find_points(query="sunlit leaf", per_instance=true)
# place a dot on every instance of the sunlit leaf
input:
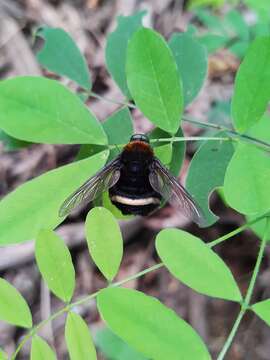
(42, 110)
(35, 204)
(106, 202)
(116, 48)
(252, 85)
(55, 264)
(3, 355)
(262, 309)
(13, 307)
(41, 350)
(197, 3)
(61, 55)
(153, 79)
(259, 227)
(164, 153)
(206, 172)
(104, 241)
(177, 151)
(148, 326)
(191, 261)
(78, 338)
(246, 179)
(191, 59)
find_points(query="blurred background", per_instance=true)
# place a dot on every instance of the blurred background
(89, 22)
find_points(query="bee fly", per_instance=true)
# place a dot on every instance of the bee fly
(137, 183)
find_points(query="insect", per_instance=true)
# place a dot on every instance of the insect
(138, 184)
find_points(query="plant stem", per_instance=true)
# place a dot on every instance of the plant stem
(257, 142)
(249, 293)
(190, 138)
(35, 329)
(231, 335)
(238, 230)
(258, 264)
(100, 97)
(67, 308)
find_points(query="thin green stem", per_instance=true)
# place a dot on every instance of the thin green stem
(179, 139)
(35, 329)
(249, 293)
(137, 275)
(257, 142)
(238, 230)
(67, 308)
(191, 138)
(231, 335)
(99, 97)
(258, 264)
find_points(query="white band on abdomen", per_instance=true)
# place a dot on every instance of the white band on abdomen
(136, 202)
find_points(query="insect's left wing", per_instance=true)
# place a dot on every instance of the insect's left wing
(93, 188)
(171, 190)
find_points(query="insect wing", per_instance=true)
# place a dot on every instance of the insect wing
(171, 190)
(93, 188)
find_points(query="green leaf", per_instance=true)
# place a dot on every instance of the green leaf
(104, 241)
(246, 179)
(236, 24)
(192, 4)
(55, 264)
(61, 55)
(116, 48)
(106, 202)
(262, 309)
(191, 59)
(177, 152)
(153, 79)
(78, 338)
(10, 143)
(42, 110)
(259, 227)
(212, 42)
(118, 128)
(191, 261)
(239, 48)
(209, 165)
(115, 348)
(209, 20)
(164, 153)
(13, 307)
(261, 28)
(262, 7)
(35, 205)
(252, 86)
(40, 350)
(4, 356)
(148, 326)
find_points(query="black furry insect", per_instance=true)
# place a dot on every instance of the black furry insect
(137, 183)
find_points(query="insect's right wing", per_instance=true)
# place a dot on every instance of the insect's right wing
(170, 189)
(93, 188)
